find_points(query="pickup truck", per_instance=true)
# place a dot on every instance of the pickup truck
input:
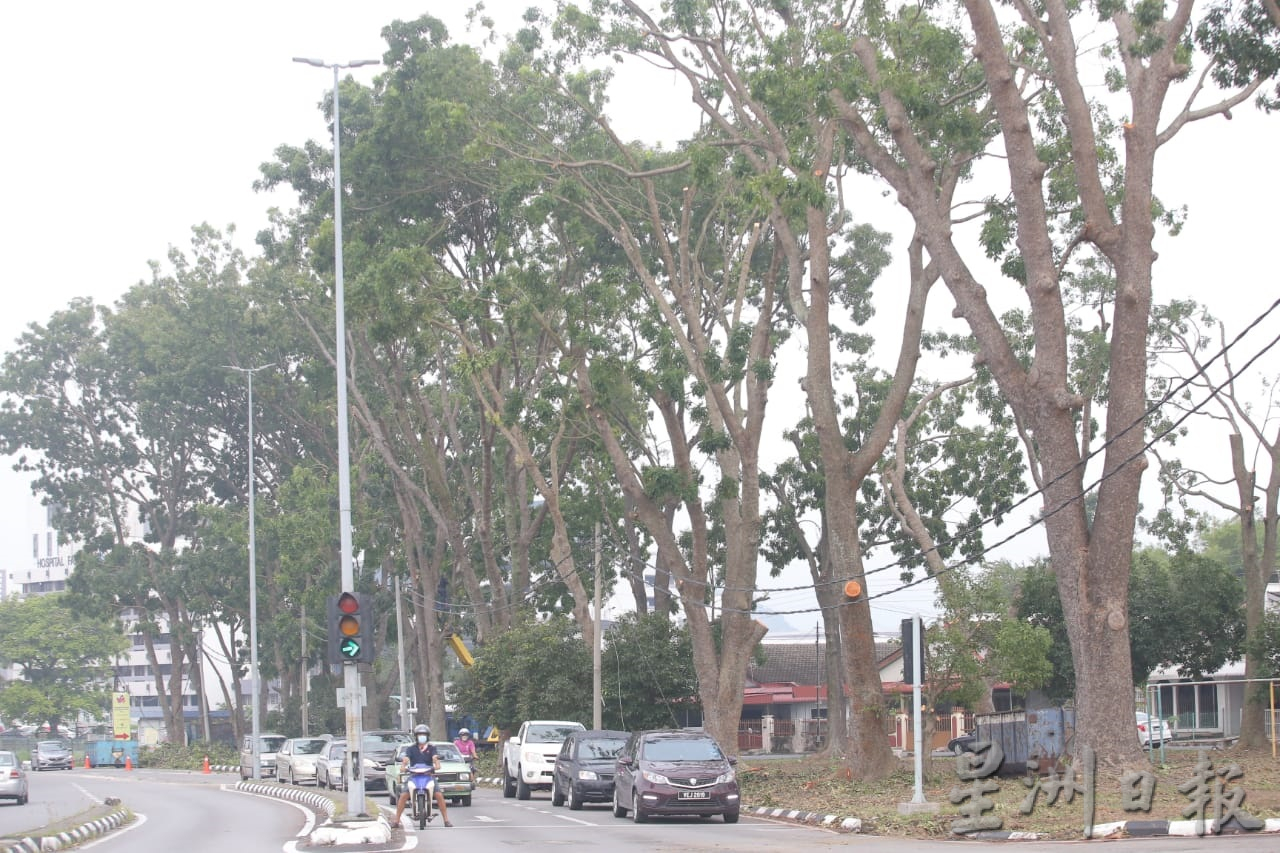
(529, 756)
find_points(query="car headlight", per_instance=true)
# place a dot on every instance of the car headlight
(368, 763)
(464, 777)
(589, 775)
(532, 757)
(725, 778)
(655, 778)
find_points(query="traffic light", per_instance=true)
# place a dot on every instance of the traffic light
(350, 628)
(908, 652)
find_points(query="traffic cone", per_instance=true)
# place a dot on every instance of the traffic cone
(128, 762)
(87, 765)
(206, 765)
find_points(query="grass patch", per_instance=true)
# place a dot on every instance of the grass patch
(822, 786)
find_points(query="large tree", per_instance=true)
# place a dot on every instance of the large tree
(64, 660)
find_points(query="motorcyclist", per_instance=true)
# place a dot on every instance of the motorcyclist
(467, 748)
(421, 752)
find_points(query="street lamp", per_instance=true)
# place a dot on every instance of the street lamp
(350, 675)
(253, 585)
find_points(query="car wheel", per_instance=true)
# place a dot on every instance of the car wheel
(731, 817)
(508, 783)
(618, 810)
(466, 801)
(22, 801)
(557, 798)
(575, 801)
(637, 814)
(522, 790)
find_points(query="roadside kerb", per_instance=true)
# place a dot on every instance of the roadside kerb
(72, 837)
(331, 832)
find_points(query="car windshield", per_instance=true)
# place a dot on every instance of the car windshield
(309, 747)
(549, 734)
(380, 740)
(50, 744)
(447, 752)
(589, 750)
(271, 744)
(679, 749)
(8, 759)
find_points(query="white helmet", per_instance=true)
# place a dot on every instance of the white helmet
(464, 732)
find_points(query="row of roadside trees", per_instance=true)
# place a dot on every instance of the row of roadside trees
(551, 327)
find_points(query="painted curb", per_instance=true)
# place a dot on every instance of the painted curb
(72, 837)
(319, 802)
(1131, 828)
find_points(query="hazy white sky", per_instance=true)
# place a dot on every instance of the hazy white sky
(131, 122)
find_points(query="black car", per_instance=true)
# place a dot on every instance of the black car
(583, 771)
(675, 772)
(963, 743)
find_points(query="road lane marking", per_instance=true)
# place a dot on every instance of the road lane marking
(138, 820)
(309, 820)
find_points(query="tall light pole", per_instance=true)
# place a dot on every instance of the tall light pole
(254, 695)
(350, 675)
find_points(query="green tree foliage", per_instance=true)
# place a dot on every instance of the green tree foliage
(1186, 611)
(542, 670)
(537, 670)
(64, 660)
(648, 678)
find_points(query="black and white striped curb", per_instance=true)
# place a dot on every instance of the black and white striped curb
(63, 840)
(319, 802)
(829, 821)
(1140, 829)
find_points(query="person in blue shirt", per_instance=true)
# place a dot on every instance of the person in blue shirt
(421, 752)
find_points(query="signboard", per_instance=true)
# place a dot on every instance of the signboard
(120, 715)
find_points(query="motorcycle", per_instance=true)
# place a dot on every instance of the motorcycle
(422, 784)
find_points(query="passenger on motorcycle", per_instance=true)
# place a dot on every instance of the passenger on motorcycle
(420, 753)
(466, 746)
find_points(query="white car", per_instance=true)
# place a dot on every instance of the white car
(297, 758)
(1153, 731)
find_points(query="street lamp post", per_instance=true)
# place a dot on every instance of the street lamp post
(254, 695)
(350, 675)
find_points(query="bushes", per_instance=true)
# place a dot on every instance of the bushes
(168, 756)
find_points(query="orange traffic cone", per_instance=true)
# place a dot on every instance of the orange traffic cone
(206, 765)
(128, 762)
(87, 765)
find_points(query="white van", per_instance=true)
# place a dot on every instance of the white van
(268, 745)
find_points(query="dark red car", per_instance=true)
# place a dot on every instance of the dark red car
(675, 772)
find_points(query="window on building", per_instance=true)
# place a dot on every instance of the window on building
(48, 551)
(35, 545)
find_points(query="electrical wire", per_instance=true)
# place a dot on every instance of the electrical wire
(900, 563)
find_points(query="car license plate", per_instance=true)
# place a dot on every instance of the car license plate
(694, 795)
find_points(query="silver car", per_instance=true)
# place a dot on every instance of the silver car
(50, 755)
(13, 779)
(329, 765)
(296, 760)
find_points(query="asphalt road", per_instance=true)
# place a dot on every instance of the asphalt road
(197, 813)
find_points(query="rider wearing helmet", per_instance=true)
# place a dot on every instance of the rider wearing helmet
(465, 744)
(467, 747)
(421, 752)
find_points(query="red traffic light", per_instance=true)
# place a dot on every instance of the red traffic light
(348, 603)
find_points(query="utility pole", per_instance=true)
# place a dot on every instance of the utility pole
(597, 700)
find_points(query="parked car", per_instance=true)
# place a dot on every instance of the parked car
(962, 743)
(329, 766)
(378, 749)
(296, 760)
(50, 755)
(675, 772)
(583, 771)
(453, 780)
(268, 746)
(1152, 730)
(13, 779)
